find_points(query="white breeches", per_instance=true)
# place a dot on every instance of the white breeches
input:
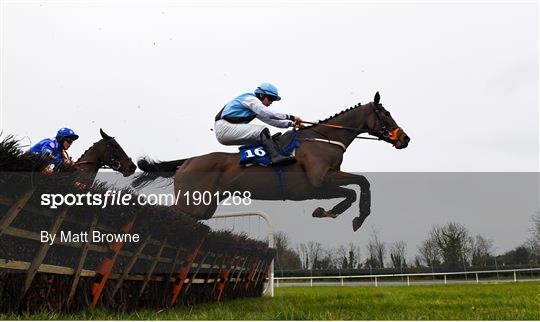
(237, 134)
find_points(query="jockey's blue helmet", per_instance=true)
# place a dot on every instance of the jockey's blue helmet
(65, 133)
(269, 90)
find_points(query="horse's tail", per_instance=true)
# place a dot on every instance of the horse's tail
(155, 169)
(165, 168)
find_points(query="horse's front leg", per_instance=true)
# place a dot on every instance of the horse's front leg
(331, 193)
(339, 178)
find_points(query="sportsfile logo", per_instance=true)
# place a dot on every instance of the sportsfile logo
(109, 198)
(121, 198)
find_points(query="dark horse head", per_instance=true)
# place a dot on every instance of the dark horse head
(106, 153)
(346, 125)
(381, 124)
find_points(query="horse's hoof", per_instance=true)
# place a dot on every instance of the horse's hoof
(321, 213)
(318, 213)
(357, 223)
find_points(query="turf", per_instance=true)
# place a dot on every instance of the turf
(504, 301)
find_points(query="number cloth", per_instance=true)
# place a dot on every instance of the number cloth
(255, 153)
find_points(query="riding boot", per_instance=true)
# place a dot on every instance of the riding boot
(272, 149)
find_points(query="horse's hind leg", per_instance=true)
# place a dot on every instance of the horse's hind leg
(335, 192)
(343, 178)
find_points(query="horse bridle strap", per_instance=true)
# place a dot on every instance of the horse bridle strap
(101, 165)
(85, 162)
(383, 133)
(341, 145)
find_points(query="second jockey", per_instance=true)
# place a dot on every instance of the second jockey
(232, 122)
(56, 147)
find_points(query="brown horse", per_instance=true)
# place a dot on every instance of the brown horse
(105, 153)
(315, 175)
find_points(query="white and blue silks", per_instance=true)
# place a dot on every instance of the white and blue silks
(232, 128)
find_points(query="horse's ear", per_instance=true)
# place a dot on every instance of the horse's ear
(104, 135)
(377, 99)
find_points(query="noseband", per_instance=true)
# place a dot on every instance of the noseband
(112, 162)
(383, 133)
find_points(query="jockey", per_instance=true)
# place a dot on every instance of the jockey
(232, 128)
(56, 148)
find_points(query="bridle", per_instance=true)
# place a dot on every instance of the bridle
(384, 132)
(112, 159)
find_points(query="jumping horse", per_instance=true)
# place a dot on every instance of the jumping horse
(315, 175)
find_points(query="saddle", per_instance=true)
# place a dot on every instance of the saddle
(255, 154)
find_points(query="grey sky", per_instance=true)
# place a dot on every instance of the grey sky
(460, 78)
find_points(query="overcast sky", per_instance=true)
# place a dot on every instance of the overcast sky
(460, 78)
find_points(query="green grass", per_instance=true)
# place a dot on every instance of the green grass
(504, 301)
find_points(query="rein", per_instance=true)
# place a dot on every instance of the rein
(392, 136)
(84, 162)
(101, 165)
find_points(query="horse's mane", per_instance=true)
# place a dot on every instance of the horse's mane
(84, 153)
(333, 116)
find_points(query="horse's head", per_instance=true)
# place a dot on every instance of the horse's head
(113, 156)
(382, 125)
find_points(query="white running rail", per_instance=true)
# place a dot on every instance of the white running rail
(376, 278)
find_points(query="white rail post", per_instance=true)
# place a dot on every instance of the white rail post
(376, 281)
(445, 279)
(342, 281)
(310, 282)
(515, 277)
(477, 281)
(270, 289)
(408, 281)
